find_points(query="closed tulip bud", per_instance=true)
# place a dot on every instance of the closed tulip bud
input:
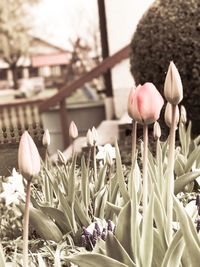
(168, 115)
(28, 157)
(156, 130)
(183, 117)
(89, 137)
(95, 135)
(73, 131)
(145, 104)
(173, 88)
(46, 138)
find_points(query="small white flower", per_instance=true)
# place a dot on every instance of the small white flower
(13, 189)
(104, 151)
(95, 135)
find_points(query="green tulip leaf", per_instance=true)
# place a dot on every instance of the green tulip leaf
(146, 246)
(101, 178)
(71, 182)
(100, 202)
(44, 226)
(94, 260)
(81, 214)
(120, 176)
(59, 218)
(115, 250)
(158, 249)
(194, 155)
(123, 229)
(191, 238)
(174, 252)
(85, 184)
(183, 180)
(116, 209)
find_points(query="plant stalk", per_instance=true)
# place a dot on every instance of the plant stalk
(134, 137)
(170, 176)
(26, 225)
(159, 165)
(95, 163)
(88, 159)
(145, 167)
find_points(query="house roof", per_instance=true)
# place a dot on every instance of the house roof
(41, 46)
(42, 53)
(50, 59)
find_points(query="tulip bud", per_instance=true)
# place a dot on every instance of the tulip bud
(173, 89)
(73, 131)
(183, 117)
(145, 104)
(95, 135)
(156, 130)
(89, 136)
(46, 138)
(61, 157)
(28, 157)
(168, 115)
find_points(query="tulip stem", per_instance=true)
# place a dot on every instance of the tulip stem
(145, 167)
(95, 163)
(170, 176)
(134, 136)
(26, 225)
(159, 165)
(88, 159)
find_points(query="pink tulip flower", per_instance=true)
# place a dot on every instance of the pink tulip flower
(145, 104)
(130, 100)
(28, 157)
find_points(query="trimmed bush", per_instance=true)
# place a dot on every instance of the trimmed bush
(170, 30)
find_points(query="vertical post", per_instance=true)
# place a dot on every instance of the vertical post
(104, 45)
(64, 124)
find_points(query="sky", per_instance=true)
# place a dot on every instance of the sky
(59, 20)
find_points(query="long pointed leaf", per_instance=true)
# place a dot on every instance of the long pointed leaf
(146, 247)
(115, 250)
(44, 226)
(94, 260)
(123, 229)
(190, 237)
(71, 182)
(183, 180)
(171, 255)
(85, 183)
(120, 176)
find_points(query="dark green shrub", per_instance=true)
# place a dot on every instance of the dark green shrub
(170, 30)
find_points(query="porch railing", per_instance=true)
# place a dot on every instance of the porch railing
(59, 98)
(18, 116)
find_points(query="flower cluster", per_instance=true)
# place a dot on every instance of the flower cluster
(94, 231)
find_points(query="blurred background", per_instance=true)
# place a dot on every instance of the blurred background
(64, 60)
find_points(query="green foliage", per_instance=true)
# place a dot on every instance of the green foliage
(168, 31)
(80, 197)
